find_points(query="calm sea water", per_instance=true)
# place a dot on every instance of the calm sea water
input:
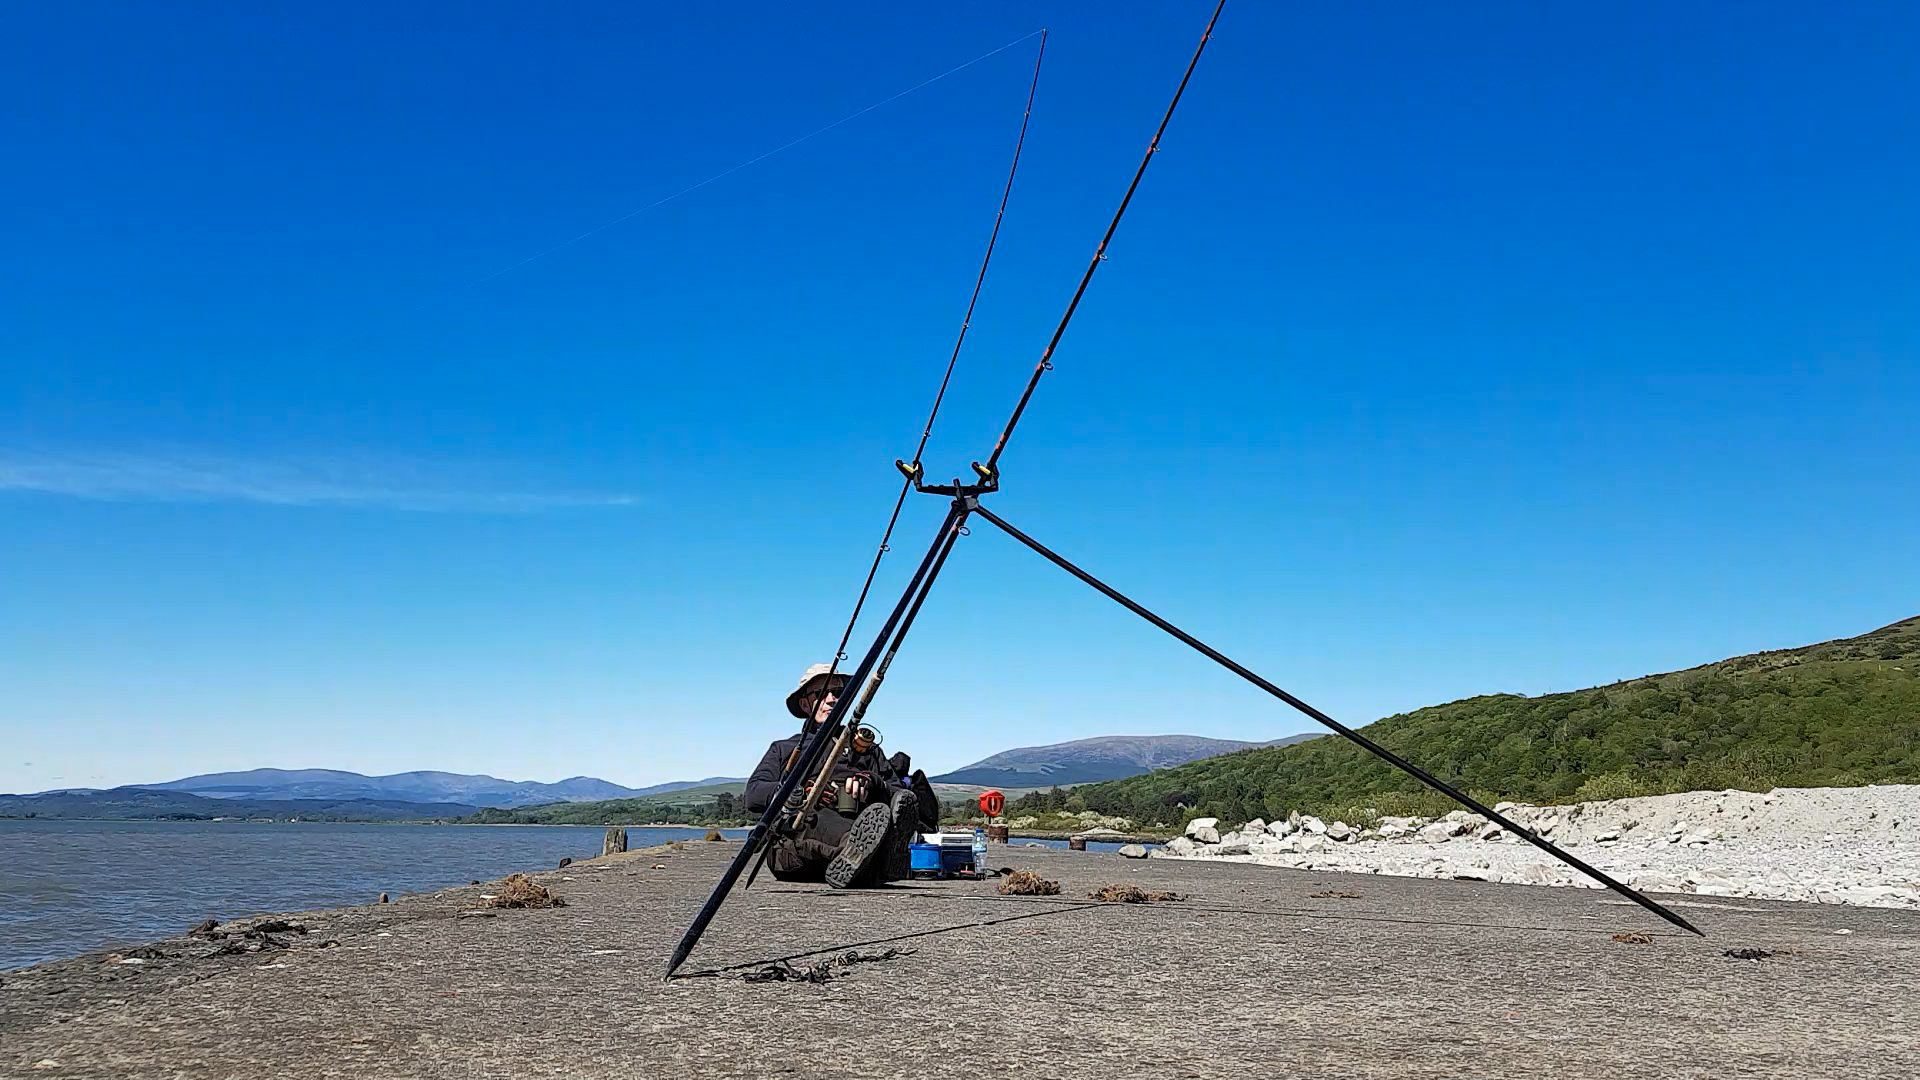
(73, 886)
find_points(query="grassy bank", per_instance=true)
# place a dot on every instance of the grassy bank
(1840, 713)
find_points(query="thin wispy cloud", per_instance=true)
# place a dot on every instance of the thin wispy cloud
(394, 484)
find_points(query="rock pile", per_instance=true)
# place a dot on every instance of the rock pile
(1827, 845)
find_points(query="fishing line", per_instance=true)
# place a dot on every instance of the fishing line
(782, 148)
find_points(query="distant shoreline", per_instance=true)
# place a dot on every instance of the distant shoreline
(418, 821)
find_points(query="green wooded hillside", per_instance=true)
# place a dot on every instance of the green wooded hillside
(1838, 713)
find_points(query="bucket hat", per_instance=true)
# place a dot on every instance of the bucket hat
(817, 677)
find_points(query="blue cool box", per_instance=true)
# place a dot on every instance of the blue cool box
(934, 859)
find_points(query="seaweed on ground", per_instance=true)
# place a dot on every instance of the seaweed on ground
(1028, 883)
(1131, 894)
(519, 891)
(278, 926)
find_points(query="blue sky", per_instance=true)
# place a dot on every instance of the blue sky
(1513, 348)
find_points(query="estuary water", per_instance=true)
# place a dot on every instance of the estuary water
(69, 887)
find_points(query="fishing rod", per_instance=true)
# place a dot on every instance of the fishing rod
(989, 473)
(926, 431)
(815, 742)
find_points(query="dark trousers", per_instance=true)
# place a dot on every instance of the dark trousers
(805, 857)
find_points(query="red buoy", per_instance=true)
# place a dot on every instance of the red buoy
(992, 802)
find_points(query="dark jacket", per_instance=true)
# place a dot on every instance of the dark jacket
(766, 776)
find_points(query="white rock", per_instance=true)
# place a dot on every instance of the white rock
(1710, 883)
(1257, 825)
(1538, 874)
(1205, 834)
(1283, 827)
(1878, 895)
(1313, 825)
(1233, 844)
(1133, 851)
(1490, 832)
(1181, 845)
(1656, 882)
(1202, 823)
(1271, 845)
(1764, 846)
(1503, 807)
(1340, 830)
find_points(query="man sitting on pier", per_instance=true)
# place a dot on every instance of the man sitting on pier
(858, 831)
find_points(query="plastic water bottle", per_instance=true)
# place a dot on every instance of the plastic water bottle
(979, 851)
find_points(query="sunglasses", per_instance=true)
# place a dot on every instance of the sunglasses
(811, 701)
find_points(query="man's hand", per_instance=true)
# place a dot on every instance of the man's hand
(858, 786)
(855, 787)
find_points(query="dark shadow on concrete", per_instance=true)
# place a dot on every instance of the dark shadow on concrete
(716, 972)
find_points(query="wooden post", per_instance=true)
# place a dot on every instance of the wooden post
(1076, 843)
(615, 843)
(997, 833)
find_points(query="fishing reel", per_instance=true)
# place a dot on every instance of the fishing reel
(865, 737)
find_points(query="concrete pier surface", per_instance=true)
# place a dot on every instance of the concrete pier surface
(1260, 972)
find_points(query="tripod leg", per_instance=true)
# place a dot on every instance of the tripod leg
(816, 742)
(1344, 731)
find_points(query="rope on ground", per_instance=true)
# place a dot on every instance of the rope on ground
(824, 971)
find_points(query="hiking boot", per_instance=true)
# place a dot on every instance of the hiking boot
(906, 815)
(864, 840)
